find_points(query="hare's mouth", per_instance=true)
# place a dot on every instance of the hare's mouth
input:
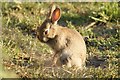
(45, 39)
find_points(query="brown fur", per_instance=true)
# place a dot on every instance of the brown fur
(68, 44)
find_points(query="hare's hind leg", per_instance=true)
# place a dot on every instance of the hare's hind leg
(77, 62)
(65, 59)
(69, 63)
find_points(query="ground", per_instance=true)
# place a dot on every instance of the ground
(23, 55)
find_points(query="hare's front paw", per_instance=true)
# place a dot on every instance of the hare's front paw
(54, 60)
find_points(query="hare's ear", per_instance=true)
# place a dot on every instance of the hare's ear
(55, 15)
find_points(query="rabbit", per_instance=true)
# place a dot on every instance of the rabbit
(68, 45)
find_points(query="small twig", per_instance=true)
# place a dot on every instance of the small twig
(67, 71)
(90, 25)
(97, 19)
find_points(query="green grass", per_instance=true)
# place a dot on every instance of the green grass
(24, 55)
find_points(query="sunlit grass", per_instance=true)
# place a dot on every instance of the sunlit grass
(24, 55)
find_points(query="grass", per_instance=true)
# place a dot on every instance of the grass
(24, 55)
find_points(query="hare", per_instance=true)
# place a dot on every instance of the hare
(68, 44)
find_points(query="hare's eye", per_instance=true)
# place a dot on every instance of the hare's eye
(46, 32)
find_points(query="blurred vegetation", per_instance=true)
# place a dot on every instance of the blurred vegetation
(24, 55)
